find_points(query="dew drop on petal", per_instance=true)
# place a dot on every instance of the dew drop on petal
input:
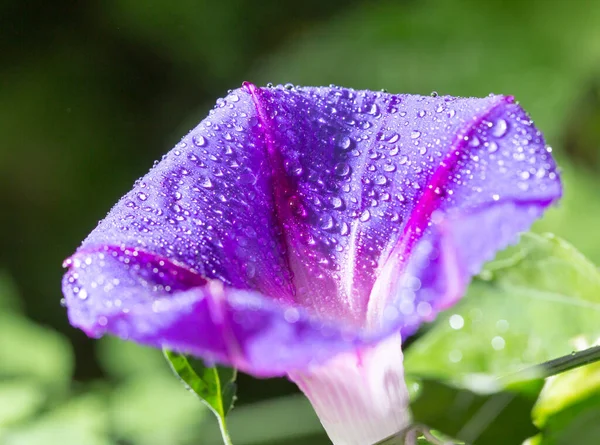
(199, 140)
(500, 128)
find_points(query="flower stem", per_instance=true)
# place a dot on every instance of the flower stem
(224, 433)
(556, 366)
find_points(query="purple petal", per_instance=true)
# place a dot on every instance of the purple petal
(208, 206)
(365, 210)
(142, 297)
(361, 173)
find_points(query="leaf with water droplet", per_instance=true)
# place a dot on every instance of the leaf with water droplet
(535, 303)
(214, 385)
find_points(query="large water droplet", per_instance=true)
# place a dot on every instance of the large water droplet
(199, 140)
(345, 143)
(341, 169)
(500, 128)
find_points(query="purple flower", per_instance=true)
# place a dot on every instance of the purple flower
(305, 231)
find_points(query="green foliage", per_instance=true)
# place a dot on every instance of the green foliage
(94, 92)
(568, 409)
(214, 385)
(513, 316)
(492, 419)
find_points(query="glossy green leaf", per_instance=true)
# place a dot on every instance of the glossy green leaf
(568, 409)
(215, 385)
(534, 305)
(500, 418)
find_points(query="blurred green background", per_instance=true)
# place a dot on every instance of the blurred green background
(92, 92)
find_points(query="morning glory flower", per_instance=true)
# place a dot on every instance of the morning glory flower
(308, 231)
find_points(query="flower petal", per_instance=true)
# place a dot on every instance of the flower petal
(140, 296)
(208, 205)
(361, 176)
(360, 397)
(368, 210)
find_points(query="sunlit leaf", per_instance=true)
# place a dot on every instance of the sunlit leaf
(525, 309)
(568, 409)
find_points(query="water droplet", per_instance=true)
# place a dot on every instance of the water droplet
(345, 229)
(380, 180)
(365, 216)
(337, 203)
(495, 197)
(474, 141)
(142, 196)
(296, 207)
(345, 143)
(394, 138)
(341, 169)
(415, 134)
(492, 147)
(326, 222)
(500, 128)
(246, 179)
(206, 183)
(199, 140)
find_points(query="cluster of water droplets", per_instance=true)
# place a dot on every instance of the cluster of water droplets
(359, 164)
(206, 207)
(304, 193)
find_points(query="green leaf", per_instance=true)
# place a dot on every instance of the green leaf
(537, 304)
(215, 385)
(494, 419)
(568, 408)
